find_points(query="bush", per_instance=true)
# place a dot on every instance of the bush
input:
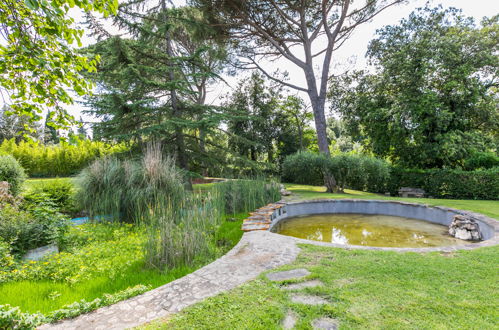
(445, 183)
(60, 193)
(25, 230)
(63, 159)
(350, 171)
(304, 168)
(481, 160)
(12, 172)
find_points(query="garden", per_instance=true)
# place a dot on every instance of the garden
(218, 165)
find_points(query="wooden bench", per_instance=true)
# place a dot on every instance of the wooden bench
(411, 192)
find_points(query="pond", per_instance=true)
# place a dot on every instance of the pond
(368, 230)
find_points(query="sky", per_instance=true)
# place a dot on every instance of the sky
(350, 55)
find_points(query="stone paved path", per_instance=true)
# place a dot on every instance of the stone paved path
(256, 252)
(291, 318)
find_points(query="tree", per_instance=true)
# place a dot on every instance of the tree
(50, 134)
(298, 114)
(153, 84)
(252, 132)
(271, 29)
(37, 63)
(432, 101)
(18, 127)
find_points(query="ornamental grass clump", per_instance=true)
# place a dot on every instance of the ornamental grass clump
(244, 195)
(128, 190)
(149, 191)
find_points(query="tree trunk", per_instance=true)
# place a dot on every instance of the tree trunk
(176, 110)
(318, 105)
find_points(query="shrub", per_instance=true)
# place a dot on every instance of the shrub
(445, 183)
(12, 172)
(377, 174)
(60, 193)
(350, 171)
(25, 230)
(6, 259)
(481, 160)
(63, 159)
(304, 168)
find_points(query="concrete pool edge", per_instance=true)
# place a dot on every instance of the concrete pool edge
(269, 216)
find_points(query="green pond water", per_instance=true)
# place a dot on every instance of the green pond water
(368, 230)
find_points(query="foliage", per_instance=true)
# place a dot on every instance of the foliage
(246, 195)
(125, 190)
(25, 230)
(14, 126)
(38, 65)
(89, 251)
(482, 160)
(350, 171)
(12, 172)
(432, 100)
(60, 193)
(152, 84)
(63, 159)
(14, 318)
(266, 125)
(6, 258)
(448, 183)
(304, 168)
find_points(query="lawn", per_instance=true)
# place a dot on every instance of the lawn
(366, 289)
(303, 192)
(107, 259)
(96, 259)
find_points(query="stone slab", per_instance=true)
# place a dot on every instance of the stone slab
(302, 285)
(289, 321)
(308, 299)
(288, 274)
(325, 323)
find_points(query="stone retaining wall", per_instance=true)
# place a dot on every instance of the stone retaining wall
(267, 217)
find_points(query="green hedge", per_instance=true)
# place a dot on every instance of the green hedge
(350, 171)
(444, 183)
(375, 175)
(12, 172)
(62, 159)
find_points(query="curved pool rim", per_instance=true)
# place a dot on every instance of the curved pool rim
(489, 227)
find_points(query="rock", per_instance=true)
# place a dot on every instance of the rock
(39, 253)
(285, 192)
(289, 321)
(288, 274)
(308, 299)
(325, 323)
(466, 228)
(302, 285)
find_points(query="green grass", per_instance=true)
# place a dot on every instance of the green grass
(366, 290)
(31, 183)
(45, 295)
(303, 192)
